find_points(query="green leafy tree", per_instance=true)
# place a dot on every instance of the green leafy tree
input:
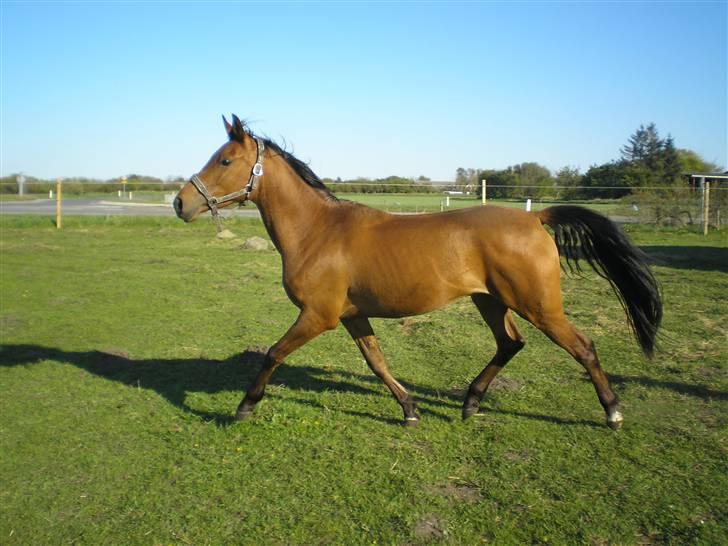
(606, 181)
(464, 177)
(535, 180)
(692, 162)
(568, 179)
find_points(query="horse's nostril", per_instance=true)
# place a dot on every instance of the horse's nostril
(177, 204)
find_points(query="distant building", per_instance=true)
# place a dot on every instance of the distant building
(696, 180)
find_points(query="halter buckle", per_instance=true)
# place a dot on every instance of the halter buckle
(258, 169)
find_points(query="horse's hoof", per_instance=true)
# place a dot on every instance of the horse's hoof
(411, 421)
(242, 416)
(615, 420)
(469, 411)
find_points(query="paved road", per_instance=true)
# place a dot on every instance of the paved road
(89, 207)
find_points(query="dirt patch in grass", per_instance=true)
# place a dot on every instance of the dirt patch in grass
(410, 324)
(11, 323)
(430, 527)
(456, 492)
(505, 384)
(517, 455)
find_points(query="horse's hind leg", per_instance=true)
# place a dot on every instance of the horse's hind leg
(508, 341)
(579, 346)
(363, 335)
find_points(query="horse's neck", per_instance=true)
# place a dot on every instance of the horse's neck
(289, 208)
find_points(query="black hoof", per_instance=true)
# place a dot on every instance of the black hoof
(245, 410)
(470, 407)
(243, 416)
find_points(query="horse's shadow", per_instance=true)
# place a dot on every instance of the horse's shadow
(174, 379)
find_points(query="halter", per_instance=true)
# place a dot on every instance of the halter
(213, 201)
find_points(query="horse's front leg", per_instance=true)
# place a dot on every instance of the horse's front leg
(308, 325)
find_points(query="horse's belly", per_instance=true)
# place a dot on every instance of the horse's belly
(394, 300)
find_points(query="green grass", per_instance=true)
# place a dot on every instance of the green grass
(127, 343)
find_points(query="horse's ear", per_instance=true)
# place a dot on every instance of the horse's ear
(238, 131)
(228, 127)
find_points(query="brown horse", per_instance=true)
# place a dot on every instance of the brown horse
(345, 262)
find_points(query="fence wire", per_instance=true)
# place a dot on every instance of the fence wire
(674, 205)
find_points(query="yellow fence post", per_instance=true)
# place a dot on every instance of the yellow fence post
(483, 189)
(58, 203)
(706, 206)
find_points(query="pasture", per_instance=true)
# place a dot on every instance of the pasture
(126, 344)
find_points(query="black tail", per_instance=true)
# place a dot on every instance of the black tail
(583, 234)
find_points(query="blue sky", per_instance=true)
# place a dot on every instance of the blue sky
(356, 89)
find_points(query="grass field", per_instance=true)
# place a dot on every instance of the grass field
(126, 344)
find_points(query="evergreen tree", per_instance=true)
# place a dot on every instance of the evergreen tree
(671, 165)
(653, 159)
(635, 150)
(648, 160)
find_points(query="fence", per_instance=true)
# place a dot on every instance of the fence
(674, 205)
(74, 187)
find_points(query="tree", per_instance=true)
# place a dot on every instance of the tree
(606, 181)
(463, 176)
(691, 161)
(568, 178)
(648, 160)
(643, 146)
(499, 183)
(533, 178)
(672, 169)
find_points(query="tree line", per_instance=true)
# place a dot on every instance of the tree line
(81, 185)
(646, 162)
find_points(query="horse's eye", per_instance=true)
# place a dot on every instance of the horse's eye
(225, 162)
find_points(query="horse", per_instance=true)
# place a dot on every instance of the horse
(344, 262)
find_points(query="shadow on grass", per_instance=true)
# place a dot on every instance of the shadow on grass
(699, 391)
(700, 258)
(173, 379)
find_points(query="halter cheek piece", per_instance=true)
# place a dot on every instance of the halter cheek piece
(213, 201)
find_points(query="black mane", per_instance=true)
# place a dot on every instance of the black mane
(300, 168)
(239, 130)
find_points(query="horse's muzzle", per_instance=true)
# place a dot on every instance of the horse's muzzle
(179, 209)
(177, 204)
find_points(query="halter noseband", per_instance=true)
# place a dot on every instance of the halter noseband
(213, 201)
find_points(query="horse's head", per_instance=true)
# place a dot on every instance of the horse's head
(228, 177)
